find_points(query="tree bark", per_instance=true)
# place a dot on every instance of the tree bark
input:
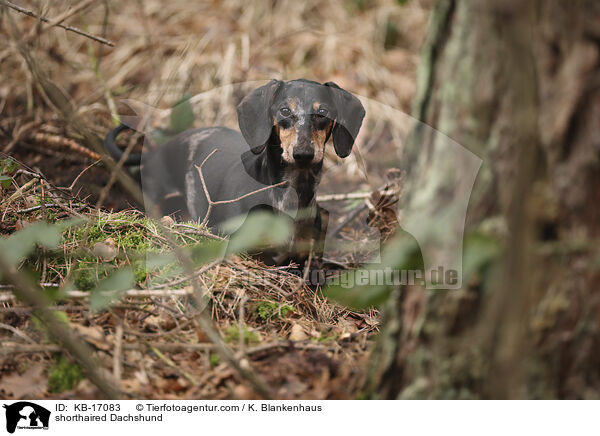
(517, 83)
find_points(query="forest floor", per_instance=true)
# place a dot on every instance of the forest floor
(298, 342)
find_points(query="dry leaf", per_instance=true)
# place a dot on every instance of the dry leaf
(162, 321)
(31, 384)
(167, 221)
(105, 250)
(93, 334)
(297, 333)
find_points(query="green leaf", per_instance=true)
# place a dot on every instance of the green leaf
(8, 166)
(157, 260)
(208, 251)
(111, 289)
(5, 181)
(259, 229)
(182, 115)
(20, 244)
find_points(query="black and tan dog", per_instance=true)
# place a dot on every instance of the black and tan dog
(284, 130)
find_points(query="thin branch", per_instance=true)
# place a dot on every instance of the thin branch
(70, 12)
(202, 270)
(59, 142)
(16, 332)
(46, 20)
(70, 188)
(169, 347)
(118, 353)
(47, 206)
(133, 293)
(350, 196)
(212, 203)
(189, 377)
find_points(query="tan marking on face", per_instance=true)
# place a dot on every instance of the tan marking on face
(316, 105)
(288, 138)
(318, 140)
(292, 105)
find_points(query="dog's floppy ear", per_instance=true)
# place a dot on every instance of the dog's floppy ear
(350, 113)
(253, 115)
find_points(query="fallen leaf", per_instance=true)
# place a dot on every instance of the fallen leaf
(105, 250)
(162, 321)
(167, 221)
(31, 384)
(297, 333)
(93, 334)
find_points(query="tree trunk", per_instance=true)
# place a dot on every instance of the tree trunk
(517, 83)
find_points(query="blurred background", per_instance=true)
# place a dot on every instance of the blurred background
(165, 51)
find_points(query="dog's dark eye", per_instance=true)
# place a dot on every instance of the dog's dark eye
(286, 112)
(322, 112)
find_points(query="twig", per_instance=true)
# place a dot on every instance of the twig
(170, 347)
(16, 332)
(133, 293)
(194, 231)
(288, 344)
(241, 323)
(47, 206)
(6, 350)
(20, 132)
(29, 173)
(22, 190)
(59, 142)
(118, 353)
(46, 20)
(70, 12)
(170, 363)
(212, 203)
(42, 284)
(308, 261)
(202, 270)
(70, 188)
(350, 196)
(29, 349)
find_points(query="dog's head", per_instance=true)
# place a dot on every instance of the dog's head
(300, 116)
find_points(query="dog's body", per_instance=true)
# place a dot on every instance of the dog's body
(284, 128)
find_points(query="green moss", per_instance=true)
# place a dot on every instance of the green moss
(328, 338)
(88, 272)
(85, 279)
(214, 360)
(140, 274)
(129, 231)
(37, 199)
(268, 309)
(63, 376)
(232, 335)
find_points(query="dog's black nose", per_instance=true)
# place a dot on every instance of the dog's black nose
(303, 156)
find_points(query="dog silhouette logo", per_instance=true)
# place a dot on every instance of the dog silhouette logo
(26, 415)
